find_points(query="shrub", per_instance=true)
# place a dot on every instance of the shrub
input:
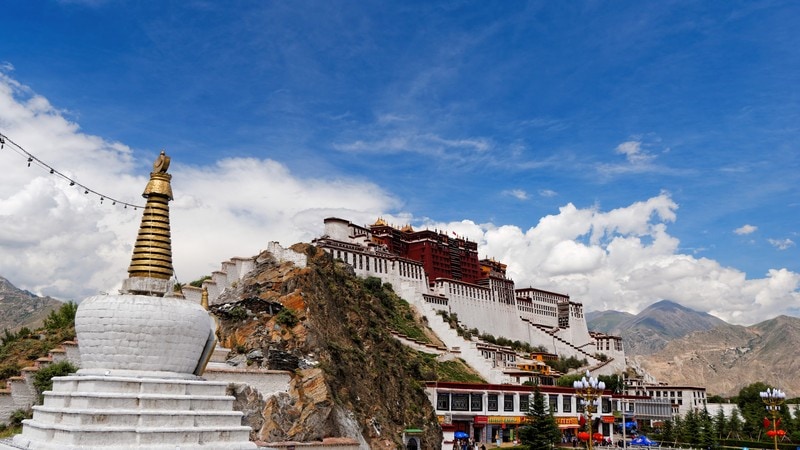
(62, 318)
(199, 282)
(287, 318)
(18, 416)
(237, 313)
(43, 379)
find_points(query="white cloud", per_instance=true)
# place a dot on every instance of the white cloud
(781, 244)
(547, 193)
(428, 144)
(57, 241)
(625, 259)
(519, 194)
(633, 152)
(745, 229)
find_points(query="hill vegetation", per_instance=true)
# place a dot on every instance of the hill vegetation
(341, 350)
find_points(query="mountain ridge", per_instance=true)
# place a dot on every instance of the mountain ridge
(20, 308)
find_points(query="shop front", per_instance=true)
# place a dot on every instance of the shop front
(500, 429)
(569, 428)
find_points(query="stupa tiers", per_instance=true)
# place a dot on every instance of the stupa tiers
(150, 271)
(142, 354)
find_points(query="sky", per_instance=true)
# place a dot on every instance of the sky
(619, 152)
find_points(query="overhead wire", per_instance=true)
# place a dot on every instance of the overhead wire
(5, 141)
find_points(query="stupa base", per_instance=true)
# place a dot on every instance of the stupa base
(91, 412)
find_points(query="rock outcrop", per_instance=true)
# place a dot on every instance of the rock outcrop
(351, 379)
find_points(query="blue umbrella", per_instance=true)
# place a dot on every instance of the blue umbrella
(460, 435)
(642, 440)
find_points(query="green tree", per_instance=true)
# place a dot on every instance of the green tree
(691, 428)
(720, 424)
(668, 433)
(61, 318)
(752, 408)
(706, 435)
(541, 432)
(734, 425)
(678, 429)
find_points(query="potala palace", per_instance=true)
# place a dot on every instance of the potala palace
(436, 272)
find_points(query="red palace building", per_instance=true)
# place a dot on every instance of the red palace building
(442, 256)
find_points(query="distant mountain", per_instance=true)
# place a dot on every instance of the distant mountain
(654, 327)
(19, 308)
(606, 321)
(730, 357)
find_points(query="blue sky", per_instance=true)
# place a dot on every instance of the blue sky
(495, 113)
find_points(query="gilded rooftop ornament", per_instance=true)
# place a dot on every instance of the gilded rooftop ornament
(152, 253)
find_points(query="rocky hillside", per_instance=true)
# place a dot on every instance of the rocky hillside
(20, 308)
(654, 327)
(352, 378)
(730, 357)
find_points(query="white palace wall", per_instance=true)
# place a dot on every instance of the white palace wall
(476, 308)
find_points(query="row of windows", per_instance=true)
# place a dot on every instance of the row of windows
(435, 300)
(379, 265)
(446, 401)
(453, 401)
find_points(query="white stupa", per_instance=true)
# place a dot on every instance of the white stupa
(142, 354)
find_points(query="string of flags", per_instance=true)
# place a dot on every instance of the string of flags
(32, 159)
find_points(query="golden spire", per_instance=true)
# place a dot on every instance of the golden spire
(152, 254)
(204, 298)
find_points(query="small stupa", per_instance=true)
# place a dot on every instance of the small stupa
(143, 352)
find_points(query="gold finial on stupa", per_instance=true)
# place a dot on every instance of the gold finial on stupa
(204, 298)
(152, 254)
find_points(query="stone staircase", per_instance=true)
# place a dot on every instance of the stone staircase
(561, 346)
(458, 347)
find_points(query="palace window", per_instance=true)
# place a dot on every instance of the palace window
(553, 401)
(524, 403)
(476, 401)
(508, 402)
(566, 404)
(443, 401)
(492, 402)
(460, 402)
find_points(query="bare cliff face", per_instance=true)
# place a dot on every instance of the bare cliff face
(351, 378)
(730, 357)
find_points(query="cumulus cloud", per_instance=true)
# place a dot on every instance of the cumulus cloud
(781, 244)
(745, 229)
(625, 260)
